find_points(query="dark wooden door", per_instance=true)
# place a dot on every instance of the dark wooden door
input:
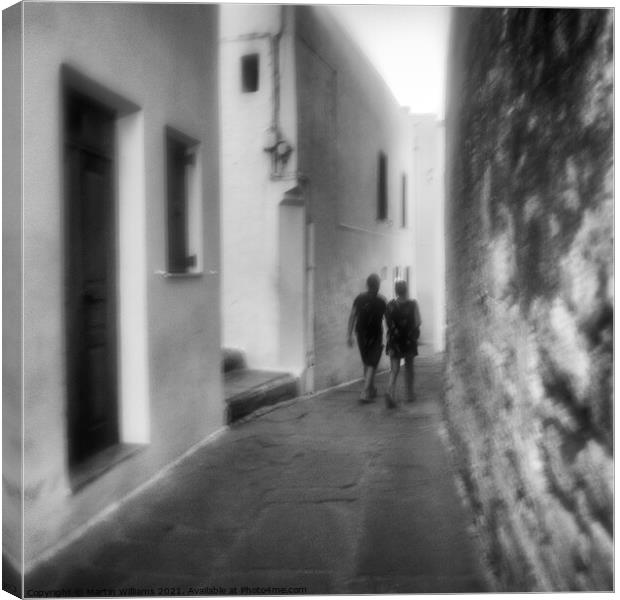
(91, 277)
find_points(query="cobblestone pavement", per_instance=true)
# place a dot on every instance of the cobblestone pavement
(317, 495)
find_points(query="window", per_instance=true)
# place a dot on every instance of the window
(249, 72)
(403, 200)
(183, 185)
(382, 199)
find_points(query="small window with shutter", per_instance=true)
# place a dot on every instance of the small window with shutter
(183, 206)
(382, 193)
(403, 202)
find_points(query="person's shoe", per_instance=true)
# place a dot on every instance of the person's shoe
(373, 393)
(389, 401)
(363, 397)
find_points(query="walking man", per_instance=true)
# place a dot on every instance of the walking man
(367, 318)
(403, 321)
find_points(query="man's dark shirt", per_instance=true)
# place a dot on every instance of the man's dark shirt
(369, 309)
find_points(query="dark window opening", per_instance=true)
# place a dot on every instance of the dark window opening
(404, 202)
(179, 158)
(249, 72)
(382, 198)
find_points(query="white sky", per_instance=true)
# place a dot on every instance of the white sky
(407, 44)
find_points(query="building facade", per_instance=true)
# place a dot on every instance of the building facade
(316, 197)
(428, 200)
(111, 256)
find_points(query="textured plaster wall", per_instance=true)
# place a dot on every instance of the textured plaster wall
(530, 289)
(428, 198)
(163, 59)
(346, 116)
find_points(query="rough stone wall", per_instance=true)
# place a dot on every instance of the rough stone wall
(530, 289)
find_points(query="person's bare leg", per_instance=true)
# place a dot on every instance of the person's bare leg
(369, 382)
(409, 378)
(364, 392)
(390, 397)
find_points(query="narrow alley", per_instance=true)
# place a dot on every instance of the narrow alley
(337, 497)
(202, 205)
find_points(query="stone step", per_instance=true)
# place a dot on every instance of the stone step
(247, 390)
(232, 358)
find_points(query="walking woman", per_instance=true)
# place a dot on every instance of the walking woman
(403, 321)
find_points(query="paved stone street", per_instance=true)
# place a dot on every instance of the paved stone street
(317, 495)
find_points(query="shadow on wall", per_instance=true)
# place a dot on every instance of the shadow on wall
(11, 578)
